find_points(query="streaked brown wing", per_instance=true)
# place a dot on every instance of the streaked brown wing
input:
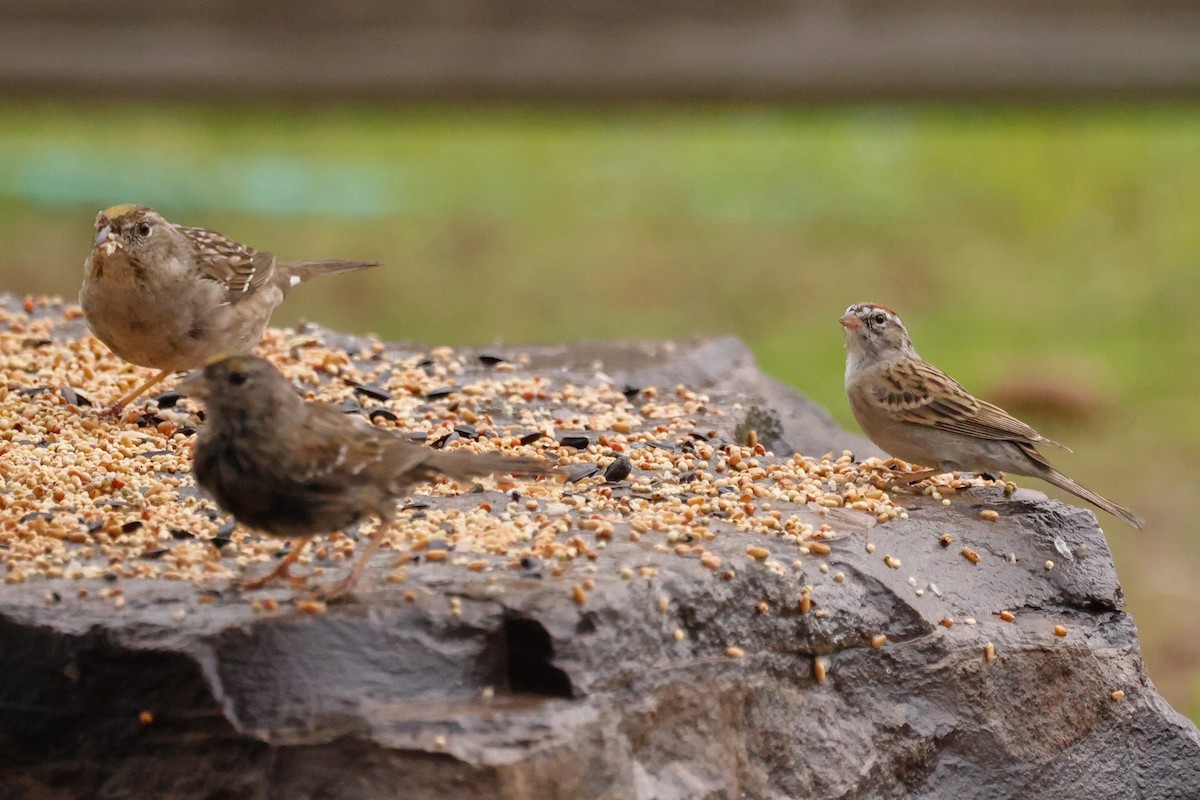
(338, 445)
(240, 268)
(921, 393)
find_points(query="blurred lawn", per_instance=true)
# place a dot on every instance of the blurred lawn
(1029, 250)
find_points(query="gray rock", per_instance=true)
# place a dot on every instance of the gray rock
(524, 694)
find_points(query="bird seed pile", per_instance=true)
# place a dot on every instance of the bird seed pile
(85, 496)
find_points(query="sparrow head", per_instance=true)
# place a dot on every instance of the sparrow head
(241, 386)
(875, 332)
(131, 235)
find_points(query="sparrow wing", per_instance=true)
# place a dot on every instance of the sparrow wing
(920, 393)
(239, 268)
(345, 447)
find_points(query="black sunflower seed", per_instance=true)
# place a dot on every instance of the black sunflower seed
(381, 413)
(373, 392)
(74, 397)
(168, 399)
(444, 391)
(577, 472)
(618, 470)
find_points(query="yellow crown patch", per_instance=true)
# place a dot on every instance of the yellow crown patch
(119, 211)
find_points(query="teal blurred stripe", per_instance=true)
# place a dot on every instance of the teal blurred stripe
(274, 185)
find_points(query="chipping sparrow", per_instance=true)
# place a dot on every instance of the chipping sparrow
(168, 297)
(297, 469)
(916, 412)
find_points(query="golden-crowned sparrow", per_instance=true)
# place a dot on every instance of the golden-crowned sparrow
(168, 297)
(916, 412)
(298, 469)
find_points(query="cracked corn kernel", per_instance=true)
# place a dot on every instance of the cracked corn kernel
(947, 622)
(1117, 695)
(1007, 616)
(945, 540)
(664, 603)
(892, 562)
(820, 669)
(805, 604)
(309, 606)
(989, 515)
(678, 634)
(971, 555)
(878, 640)
(760, 553)
(989, 652)
(146, 718)
(1049, 565)
(1060, 630)
(578, 595)
(733, 651)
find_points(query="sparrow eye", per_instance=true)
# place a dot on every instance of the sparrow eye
(879, 318)
(143, 229)
(237, 378)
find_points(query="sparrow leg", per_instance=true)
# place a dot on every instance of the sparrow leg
(129, 397)
(281, 571)
(346, 584)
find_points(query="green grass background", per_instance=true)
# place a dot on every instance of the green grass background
(1025, 247)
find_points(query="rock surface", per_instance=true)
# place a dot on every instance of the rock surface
(448, 686)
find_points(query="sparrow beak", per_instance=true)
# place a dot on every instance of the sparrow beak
(193, 385)
(850, 322)
(102, 235)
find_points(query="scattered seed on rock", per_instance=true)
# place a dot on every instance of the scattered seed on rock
(1117, 695)
(1060, 630)
(971, 555)
(947, 622)
(946, 540)
(373, 392)
(878, 640)
(989, 515)
(1007, 616)
(989, 652)
(618, 470)
(805, 603)
(820, 669)
(733, 651)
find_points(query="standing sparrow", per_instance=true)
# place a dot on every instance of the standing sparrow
(168, 297)
(916, 412)
(297, 469)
